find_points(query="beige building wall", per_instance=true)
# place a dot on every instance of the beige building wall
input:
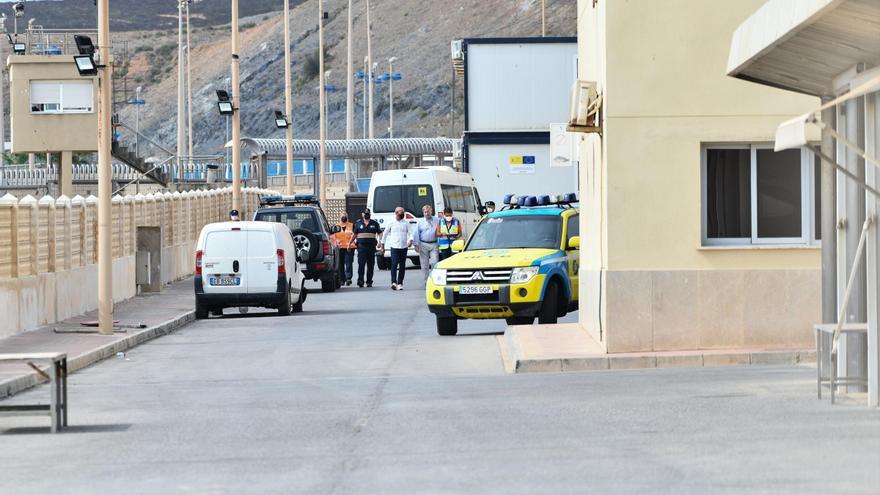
(42, 133)
(661, 70)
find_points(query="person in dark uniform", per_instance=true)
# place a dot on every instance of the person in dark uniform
(366, 237)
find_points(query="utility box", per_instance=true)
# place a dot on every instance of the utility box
(515, 89)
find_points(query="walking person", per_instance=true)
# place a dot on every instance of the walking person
(343, 239)
(398, 237)
(425, 240)
(448, 230)
(366, 237)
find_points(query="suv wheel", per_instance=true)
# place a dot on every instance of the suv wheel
(447, 326)
(328, 283)
(549, 312)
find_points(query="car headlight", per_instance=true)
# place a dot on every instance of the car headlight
(523, 275)
(438, 276)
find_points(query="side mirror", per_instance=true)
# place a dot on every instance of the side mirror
(335, 229)
(302, 255)
(458, 246)
(574, 242)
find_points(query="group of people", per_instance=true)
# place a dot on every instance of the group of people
(431, 237)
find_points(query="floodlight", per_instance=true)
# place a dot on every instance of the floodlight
(222, 95)
(19, 48)
(281, 120)
(18, 8)
(84, 44)
(85, 65)
(225, 107)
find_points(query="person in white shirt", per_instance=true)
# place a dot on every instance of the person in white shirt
(398, 237)
(425, 240)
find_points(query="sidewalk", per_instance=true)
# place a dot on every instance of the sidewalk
(161, 313)
(568, 347)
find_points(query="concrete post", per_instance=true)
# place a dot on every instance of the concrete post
(46, 235)
(27, 236)
(9, 235)
(236, 116)
(65, 173)
(105, 178)
(288, 99)
(63, 233)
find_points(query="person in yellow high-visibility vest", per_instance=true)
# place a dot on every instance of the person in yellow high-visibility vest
(448, 230)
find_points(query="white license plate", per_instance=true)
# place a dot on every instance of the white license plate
(475, 289)
(224, 281)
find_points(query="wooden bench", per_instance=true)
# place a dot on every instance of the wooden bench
(57, 376)
(824, 344)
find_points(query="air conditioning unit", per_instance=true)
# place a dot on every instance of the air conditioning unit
(584, 103)
(457, 50)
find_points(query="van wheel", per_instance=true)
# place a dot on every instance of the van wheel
(201, 311)
(447, 326)
(285, 305)
(381, 262)
(328, 284)
(549, 312)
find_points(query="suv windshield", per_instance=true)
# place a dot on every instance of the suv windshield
(532, 231)
(304, 219)
(411, 197)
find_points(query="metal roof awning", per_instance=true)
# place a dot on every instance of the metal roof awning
(351, 148)
(803, 45)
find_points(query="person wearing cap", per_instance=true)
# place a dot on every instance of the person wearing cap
(448, 230)
(490, 207)
(365, 238)
(342, 239)
(233, 216)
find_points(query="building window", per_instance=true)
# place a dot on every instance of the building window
(61, 97)
(753, 195)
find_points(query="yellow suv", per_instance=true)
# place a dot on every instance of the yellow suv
(518, 264)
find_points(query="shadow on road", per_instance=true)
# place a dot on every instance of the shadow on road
(33, 430)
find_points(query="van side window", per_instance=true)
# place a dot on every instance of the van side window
(411, 197)
(459, 198)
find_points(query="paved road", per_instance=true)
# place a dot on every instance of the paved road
(372, 401)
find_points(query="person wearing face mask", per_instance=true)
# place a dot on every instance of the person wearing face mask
(425, 240)
(343, 240)
(398, 237)
(366, 236)
(448, 230)
(490, 207)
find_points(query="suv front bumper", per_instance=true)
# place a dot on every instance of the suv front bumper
(505, 301)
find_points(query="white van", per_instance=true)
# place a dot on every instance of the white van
(413, 188)
(240, 264)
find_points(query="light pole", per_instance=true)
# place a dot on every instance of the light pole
(392, 76)
(137, 101)
(365, 78)
(181, 109)
(189, 106)
(322, 192)
(349, 88)
(371, 67)
(236, 116)
(2, 92)
(105, 255)
(228, 161)
(543, 19)
(288, 103)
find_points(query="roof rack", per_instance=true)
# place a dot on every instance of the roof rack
(294, 200)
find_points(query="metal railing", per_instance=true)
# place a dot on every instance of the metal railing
(56, 41)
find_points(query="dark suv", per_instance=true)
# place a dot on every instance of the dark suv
(303, 216)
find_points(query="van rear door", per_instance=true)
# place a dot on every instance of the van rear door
(223, 257)
(262, 262)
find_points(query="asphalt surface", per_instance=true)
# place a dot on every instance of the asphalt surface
(359, 395)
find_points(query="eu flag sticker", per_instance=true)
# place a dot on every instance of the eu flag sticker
(528, 160)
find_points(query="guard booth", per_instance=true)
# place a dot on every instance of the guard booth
(831, 49)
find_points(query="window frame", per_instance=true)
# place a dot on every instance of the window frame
(808, 200)
(62, 110)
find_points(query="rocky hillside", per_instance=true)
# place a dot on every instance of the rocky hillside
(418, 33)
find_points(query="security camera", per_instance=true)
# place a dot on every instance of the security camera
(18, 8)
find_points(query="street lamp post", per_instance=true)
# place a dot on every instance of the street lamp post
(181, 109)
(105, 256)
(189, 107)
(543, 19)
(371, 67)
(392, 76)
(349, 88)
(228, 161)
(322, 192)
(288, 103)
(236, 115)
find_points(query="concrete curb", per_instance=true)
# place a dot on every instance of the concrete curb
(21, 383)
(516, 363)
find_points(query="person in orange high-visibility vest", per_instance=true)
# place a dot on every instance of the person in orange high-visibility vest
(342, 239)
